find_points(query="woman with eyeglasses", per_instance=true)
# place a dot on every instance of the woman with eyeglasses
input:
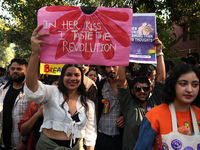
(135, 101)
(175, 123)
(93, 75)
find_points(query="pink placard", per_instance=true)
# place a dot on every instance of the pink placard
(100, 38)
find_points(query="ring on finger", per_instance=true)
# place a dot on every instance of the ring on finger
(34, 34)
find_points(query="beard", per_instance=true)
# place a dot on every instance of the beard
(111, 76)
(140, 100)
(19, 79)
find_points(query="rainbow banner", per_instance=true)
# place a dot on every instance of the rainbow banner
(51, 69)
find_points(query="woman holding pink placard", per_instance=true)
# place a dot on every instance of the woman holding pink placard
(69, 117)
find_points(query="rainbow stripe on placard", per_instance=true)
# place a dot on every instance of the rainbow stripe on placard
(151, 52)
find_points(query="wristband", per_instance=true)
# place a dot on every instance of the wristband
(160, 54)
(25, 142)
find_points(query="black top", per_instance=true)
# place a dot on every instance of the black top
(75, 116)
(8, 104)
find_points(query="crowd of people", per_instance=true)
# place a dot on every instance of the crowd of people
(100, 107)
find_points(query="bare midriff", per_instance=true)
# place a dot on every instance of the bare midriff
(57, 135)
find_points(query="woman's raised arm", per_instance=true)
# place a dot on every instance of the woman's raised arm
(32, 70)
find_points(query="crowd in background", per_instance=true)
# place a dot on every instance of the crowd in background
(88, 106)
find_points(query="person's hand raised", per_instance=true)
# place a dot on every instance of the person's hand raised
(158, 44)
(35, 41)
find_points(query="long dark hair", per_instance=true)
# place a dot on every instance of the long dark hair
(169, 88)
(81, 89)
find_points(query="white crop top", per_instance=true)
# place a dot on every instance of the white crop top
(56, 118)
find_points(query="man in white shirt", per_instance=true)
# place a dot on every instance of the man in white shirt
(13, 103)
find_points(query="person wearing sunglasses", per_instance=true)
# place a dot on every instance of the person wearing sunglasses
(141, 90)
(134, 99)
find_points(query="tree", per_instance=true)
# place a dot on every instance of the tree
(24, 22)
(5, 50)
(7, 54)
(3, 54)
(168, 12)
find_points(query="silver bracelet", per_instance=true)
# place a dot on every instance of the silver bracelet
(160, 54)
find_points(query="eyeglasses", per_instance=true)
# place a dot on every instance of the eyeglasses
(145, 88)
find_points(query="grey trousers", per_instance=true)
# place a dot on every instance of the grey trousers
(44, 143)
